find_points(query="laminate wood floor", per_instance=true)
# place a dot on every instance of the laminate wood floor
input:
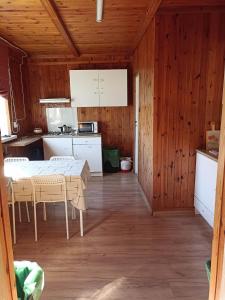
(125, 253)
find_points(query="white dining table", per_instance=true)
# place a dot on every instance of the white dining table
(76, 175)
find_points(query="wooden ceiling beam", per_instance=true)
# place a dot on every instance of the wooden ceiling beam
(149, 15)
(57, 20)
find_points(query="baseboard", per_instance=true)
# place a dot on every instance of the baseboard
(175, 212)
(96, 174)
(145, 200)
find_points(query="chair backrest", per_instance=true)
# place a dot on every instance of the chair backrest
(21, 190)
(15, 159)
(68, 157)
(8, 189)
(49, 188)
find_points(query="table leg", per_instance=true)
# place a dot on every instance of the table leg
(81, 223)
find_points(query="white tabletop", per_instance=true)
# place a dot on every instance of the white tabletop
(76, 173)
(27, 169)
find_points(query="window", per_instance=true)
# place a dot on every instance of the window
(4, 117)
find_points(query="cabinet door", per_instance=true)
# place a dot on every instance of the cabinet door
(91, 153)
(57, 146)
(84, 88)
(205, 181)
(113, 87)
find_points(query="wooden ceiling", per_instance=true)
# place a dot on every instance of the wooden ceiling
(65, 27)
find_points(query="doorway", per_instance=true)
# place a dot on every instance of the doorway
(136, 122)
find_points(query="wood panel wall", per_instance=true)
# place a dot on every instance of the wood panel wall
(52, 80)
(188, 96)
(17, 84)
(188, 76)
(18, 104)
(143, 64)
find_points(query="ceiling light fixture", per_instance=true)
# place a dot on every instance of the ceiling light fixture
(99, 10)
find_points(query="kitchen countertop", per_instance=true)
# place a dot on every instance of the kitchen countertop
(6, 139)
(208, 154)
(25, 141)
(91, 135)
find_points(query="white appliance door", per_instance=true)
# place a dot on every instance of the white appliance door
(54, 146)
(91, 153)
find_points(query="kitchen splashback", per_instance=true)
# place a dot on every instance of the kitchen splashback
(59, 116)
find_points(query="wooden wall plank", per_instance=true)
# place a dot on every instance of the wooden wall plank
(191, 58)
(188, 77)
(143, 64)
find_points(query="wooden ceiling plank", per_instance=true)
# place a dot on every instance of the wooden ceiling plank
(149, 15)
(57, 20)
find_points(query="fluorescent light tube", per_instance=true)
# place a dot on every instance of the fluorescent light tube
(55, 100)
(99, 10)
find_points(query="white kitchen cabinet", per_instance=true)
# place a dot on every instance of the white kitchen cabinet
(94, 88)
(205, 187)
(84, 88)
(54, 146)
(89, 149)
(113, 87)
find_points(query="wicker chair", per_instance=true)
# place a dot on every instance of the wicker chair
(21, 191)
(42, 186)
(12, 160)
(66, 158)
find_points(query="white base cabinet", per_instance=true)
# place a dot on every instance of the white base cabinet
(89, 149)
(54, 146)
(84, 148)
(205, 187)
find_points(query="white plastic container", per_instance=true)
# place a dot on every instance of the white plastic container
(125, 164)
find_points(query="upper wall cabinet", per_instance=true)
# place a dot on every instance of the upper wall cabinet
(84, 88)
(94, 88)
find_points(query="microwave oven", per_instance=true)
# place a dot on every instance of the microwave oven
(88, 127)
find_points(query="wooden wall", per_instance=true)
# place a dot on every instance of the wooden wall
(188, 77)
(188, 95)
(20, 109)
(143, 63)
(15, 83)
(52, 80)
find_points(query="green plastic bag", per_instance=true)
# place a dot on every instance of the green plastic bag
(208, 268)
(29, 280)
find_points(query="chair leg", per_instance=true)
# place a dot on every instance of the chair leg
(28, 215)
(81, 223)
(44, 211)
(73, 213)
(14, 223)
(67, 225)
(19, 209)
(35, 222)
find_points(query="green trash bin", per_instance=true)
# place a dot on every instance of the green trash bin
(29, 280)
(111, 160)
